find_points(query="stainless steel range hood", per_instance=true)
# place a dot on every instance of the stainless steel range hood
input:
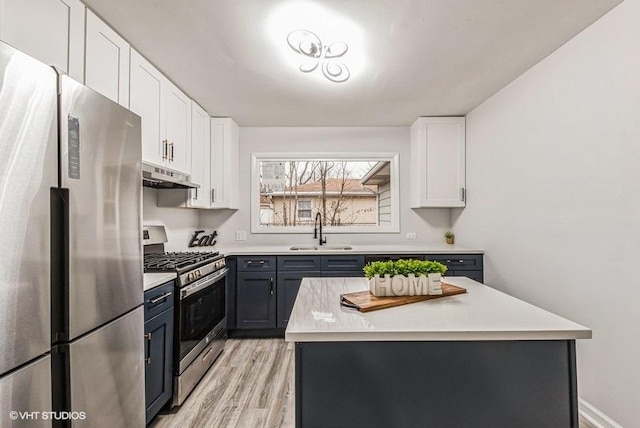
(164, 178)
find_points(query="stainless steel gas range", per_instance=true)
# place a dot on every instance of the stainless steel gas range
(200, 317)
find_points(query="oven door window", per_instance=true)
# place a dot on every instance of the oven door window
(200, 313)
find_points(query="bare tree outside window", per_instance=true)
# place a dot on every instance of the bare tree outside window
(345, 193)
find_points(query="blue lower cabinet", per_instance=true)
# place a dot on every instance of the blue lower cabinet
(158, 358)
(469, 265)
(262, 290)
(287, 290)
(255, 300)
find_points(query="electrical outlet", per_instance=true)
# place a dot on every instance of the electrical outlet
(241, 235)
(411, 235)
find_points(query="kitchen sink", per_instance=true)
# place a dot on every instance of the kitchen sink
(323, 247)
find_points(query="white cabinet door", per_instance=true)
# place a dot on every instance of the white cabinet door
(438, 162)
(178, 128)
(147, 101)
(51, 31)
(224, 163)
(200, 157)
(106, 61)
(166, 116)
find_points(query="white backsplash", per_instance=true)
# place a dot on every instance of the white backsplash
(180, 223)
(428, 224)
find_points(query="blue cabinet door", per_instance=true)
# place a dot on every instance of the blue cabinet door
(158, 334)
(288, 285)
(255, 300)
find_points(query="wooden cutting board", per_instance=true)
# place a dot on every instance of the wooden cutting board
(364, 301)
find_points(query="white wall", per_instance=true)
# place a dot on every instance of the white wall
(553, 179)
(428, 224)
(178, 222)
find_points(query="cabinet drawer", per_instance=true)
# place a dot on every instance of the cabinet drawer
(256, 263)
(299, 263)
(342, 262)
(158, 300)
(458, 262)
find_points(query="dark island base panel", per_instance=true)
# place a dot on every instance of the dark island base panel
(436, 384)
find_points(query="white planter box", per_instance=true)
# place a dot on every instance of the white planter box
(400, 285)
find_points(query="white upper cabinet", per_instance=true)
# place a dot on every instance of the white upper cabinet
(106, 61)
(147, 101)
(178, 128)
(438, 162)
(199, 164)
(225, 139)
(51, 31)
(166, 116)
(200, 158)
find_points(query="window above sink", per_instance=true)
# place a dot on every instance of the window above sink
(353, 193)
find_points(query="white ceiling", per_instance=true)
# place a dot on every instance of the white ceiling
(423, 57)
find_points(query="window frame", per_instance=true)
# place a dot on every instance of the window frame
(310, 209)
(394, 164)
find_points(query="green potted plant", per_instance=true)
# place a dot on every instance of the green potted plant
(404, 277)
(449, 236)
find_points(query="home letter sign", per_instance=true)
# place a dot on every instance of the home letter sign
(400, 285)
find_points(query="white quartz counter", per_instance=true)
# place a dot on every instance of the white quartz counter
(482, 313)
(417, 248)
(152, 280)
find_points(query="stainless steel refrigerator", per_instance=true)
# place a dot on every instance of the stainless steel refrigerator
(71, 294)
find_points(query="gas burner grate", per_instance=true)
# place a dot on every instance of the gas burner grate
(175, 261)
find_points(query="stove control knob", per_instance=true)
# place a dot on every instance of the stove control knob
(190, 276)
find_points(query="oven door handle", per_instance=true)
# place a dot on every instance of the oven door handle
(202, 284)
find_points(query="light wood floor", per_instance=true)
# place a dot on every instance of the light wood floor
(250, 385)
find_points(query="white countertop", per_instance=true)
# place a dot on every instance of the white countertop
(418, 248)
(152, 280)
(482, 313)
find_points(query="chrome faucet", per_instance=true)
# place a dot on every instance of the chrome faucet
(315, 229)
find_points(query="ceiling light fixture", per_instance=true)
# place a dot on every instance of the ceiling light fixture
(309, 44)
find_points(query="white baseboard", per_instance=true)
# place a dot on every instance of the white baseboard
(591, 417)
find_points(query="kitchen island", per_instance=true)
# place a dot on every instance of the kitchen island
(479, 359)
